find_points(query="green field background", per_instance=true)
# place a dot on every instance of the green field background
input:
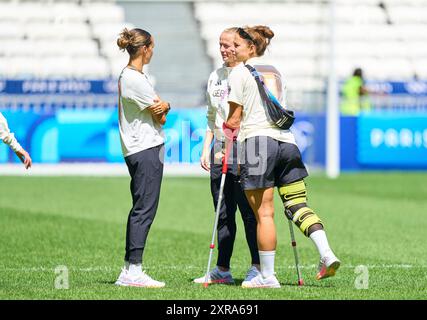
(378, 220)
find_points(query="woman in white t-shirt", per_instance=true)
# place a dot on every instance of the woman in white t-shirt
(9, 138)
(211, 160)
(270, 158)
(141, 116)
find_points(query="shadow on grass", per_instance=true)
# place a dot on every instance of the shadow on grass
(107, 282)
(238, 283)
(290, 284)
(310, 285)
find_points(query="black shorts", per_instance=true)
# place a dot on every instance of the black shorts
(266, 162)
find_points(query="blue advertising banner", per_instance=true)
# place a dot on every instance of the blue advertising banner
(393, 139)
(67, 135)
(370, 141)
(76, 121)
(398, 88)
(92, 135)
(55, 94)
(58, 86)
(108, 86)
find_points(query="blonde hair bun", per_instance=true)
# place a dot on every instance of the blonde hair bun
(126, 38)
(265, 31)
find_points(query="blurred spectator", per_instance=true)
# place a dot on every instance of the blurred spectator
(354, 95)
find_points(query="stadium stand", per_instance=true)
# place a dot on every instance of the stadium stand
(385, 38)
(76, 39)
(181, 65)
(54, 39)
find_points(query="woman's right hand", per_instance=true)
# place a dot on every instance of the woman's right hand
(205, 161)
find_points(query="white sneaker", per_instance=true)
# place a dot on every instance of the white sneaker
(122, 276)
(217, 276)
(327, 267)
(260, 282)
(142, 280)
(252, 273)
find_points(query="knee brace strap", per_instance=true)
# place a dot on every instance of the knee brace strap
(304, 218)
(294, 197)
(293, 193)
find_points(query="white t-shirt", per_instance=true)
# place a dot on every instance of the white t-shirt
(217, 98)
(138, 130)
(6, 136)
(244, 91)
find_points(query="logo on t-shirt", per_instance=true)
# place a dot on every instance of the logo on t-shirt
(219, 93)
(221, 90)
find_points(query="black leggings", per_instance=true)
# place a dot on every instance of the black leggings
(146, 171)
(233, 197)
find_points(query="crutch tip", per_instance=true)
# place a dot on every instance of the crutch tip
(300, 282)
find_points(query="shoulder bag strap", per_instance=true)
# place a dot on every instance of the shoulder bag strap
(259, 82)
(266, 94)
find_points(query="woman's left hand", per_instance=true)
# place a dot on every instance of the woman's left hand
(159, 107)
(25, 158)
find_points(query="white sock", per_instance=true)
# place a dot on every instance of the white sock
(135, 269)
(267, 262)
(321, 242)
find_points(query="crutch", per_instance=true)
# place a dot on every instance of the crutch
(229, 144)
(294, 246)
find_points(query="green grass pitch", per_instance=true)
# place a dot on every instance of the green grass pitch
(378, 220)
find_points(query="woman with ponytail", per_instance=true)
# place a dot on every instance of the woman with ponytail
(211, 160)
(141, 116)
(269, 157)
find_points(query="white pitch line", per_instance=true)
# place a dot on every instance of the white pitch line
(97, 169)
(111, 269)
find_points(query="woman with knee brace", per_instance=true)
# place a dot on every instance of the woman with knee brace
(211, 160)
(270, 158)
